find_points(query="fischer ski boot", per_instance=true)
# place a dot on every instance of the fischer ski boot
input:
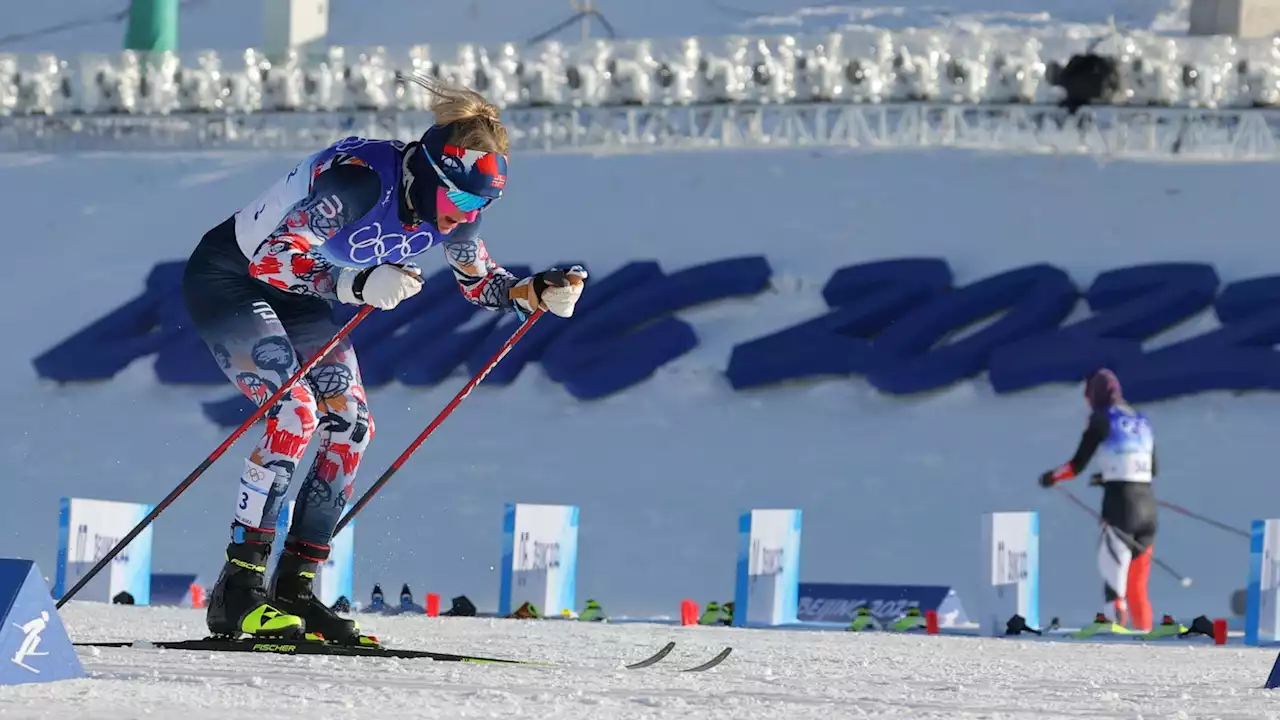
(238, 604)
(291, 591)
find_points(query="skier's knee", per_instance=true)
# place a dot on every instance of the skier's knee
(292, 422)
(347, 418)
(301, 402)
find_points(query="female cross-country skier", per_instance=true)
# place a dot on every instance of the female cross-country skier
(1125, 447)
(341, 226)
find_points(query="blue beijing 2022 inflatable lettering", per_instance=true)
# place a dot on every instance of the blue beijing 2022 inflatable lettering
(901, 323)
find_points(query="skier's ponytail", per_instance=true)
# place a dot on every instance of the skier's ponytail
(475, 121)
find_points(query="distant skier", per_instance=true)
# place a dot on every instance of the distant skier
(1125, 447)
(341, 226)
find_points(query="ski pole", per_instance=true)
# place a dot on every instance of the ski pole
(1207, 521)
(182, 487)
(448, 410)
(1126, 538)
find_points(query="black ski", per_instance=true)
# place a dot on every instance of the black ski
(712, 662)
(666, 650)
(305, 647)
(654, 658)
(314, 647)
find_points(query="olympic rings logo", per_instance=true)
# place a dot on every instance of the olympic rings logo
(370, 245)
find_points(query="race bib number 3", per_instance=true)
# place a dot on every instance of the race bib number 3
(251, 497)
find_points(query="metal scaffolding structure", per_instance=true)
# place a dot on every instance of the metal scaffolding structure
(1154, 134)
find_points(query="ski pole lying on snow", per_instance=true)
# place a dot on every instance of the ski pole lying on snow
(1126, 538)
(1207, 521)
(448, 410)
(182, 486)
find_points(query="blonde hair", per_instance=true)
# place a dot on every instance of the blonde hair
(475, 120)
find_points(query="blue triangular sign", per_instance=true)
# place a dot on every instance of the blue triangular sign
(1273, 680)
(34, 646)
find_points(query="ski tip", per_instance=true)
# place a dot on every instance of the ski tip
(713, 662)
(654, 658)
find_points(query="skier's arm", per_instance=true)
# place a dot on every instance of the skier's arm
(484, 282)
(292, 257)
(1094, 434)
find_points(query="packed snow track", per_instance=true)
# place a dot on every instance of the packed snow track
(771, 674)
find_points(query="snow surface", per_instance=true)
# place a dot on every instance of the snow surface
(236, 24)
(892, 489)
(770, 675)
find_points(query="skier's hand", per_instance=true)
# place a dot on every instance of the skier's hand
(1057, 475)
(382, 286)
(559, 290)
(1096, 479)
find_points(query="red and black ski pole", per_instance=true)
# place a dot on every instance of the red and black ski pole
(1126, 538)
(1195, 516)
(182, 487)
(448, 410)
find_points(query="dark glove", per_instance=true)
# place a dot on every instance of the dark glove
(1047, 480)
(1096, 480)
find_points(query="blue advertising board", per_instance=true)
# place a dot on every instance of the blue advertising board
(839, 602)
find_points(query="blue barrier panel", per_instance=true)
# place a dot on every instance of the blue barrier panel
(87, 530)
(539, 561)
(768, 573)
(171, 588)
(1010, 580)
(839, 602)
(34, 646)
(1273, 680)
(1262, 594)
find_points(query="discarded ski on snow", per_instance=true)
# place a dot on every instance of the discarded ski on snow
(712, 662)
(654, 658)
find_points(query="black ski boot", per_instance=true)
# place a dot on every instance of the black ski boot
(238, 604)
(291, 592)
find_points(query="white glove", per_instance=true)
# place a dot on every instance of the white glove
(559, 290)
(382, 286)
